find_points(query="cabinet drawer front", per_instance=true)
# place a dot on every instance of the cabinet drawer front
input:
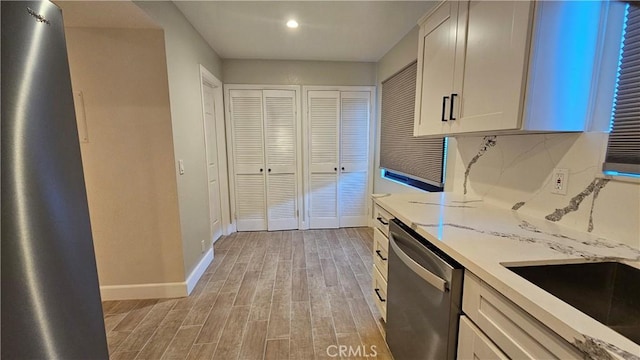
(381, 218)
(473, 344)
(512, 329)
(380, 292)
(381, 253)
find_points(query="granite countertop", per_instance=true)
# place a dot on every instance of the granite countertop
(483, 237)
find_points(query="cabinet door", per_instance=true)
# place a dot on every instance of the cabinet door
(281, 159)
(323, 115)
(491, 65)
(248, 155)
(474, 345)
(436, 59)
(354, 158)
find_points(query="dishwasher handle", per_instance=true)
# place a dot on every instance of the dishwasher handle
(425, 274)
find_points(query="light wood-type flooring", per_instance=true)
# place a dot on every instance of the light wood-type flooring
(267, 295)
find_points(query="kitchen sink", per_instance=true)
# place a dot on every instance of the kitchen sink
(609, 292)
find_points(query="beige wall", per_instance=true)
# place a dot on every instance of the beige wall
(185, 51)
(284, 72)
(128, 161)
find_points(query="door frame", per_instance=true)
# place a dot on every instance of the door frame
(305, 139)
(230, 154)
(223, 178)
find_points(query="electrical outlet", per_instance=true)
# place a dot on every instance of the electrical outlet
(203, 246)
(560, 181)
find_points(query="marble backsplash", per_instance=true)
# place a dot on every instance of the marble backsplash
(515, 171)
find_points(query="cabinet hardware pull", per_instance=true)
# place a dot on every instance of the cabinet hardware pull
(343, 168)
(444, 107)
(335, 169)
(261, 170)
(378, 293)
(385, 223)
(269, 170)
(453, 96)
(380, 255)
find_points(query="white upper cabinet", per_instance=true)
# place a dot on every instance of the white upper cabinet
(436, 54)
(516, 66)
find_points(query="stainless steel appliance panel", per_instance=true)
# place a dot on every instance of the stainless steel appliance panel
(51, 305)
(424, 297)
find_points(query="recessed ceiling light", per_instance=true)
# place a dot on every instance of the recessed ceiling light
(292, 24)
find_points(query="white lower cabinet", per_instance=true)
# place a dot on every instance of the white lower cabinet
(380, 292)
(474, 345)
(509, 328)
(380, 266)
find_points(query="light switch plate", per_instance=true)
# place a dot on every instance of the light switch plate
(560, 181)
(181, 167)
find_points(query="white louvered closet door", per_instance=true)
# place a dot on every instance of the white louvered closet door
(248, 153)
(323, 118)
(281, 158)
(354, 158)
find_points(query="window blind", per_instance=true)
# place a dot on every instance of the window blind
(400, 151)
(623, 150)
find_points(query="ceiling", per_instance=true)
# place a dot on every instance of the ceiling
(329, 30)
(104, 14)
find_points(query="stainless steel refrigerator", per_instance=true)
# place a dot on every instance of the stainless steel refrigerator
(50, 305)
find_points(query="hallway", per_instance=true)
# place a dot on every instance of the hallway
(266, 295)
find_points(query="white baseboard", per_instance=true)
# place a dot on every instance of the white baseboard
(143, 291)
(196, 274)
(228, 230)
(158, 290)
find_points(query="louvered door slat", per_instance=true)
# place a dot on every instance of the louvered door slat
(248, 153)
(281, 159)
(354, 158)
(323, 118)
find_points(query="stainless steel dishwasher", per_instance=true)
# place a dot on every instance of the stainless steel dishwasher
(424, 297)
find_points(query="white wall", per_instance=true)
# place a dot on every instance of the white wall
(128, 160)
(185, 51)
(285, 72)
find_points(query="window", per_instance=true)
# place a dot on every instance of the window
(418, 162)
(623, 149)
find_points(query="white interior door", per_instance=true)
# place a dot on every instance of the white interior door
(212, 161)
(248, 154)
(281, 158)
(323, 117)
(354, 158)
